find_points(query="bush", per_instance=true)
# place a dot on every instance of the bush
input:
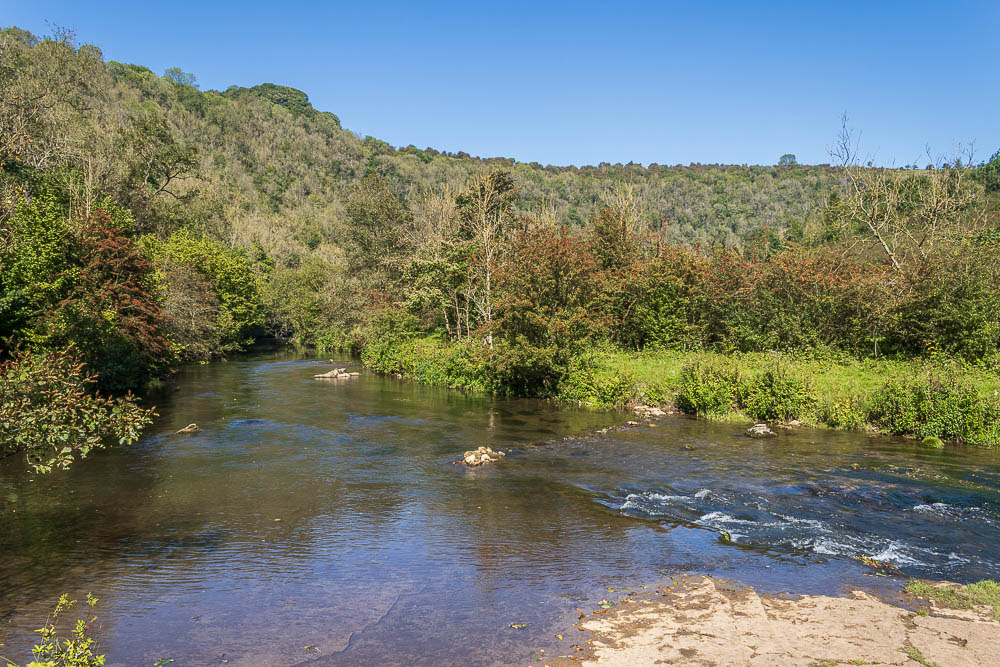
(653, 393)
(931, 406)
(78, 651)
(48, 412)
(846, 413)
(582, 385)
(775, 395)
(708, 390)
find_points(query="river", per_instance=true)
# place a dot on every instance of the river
(325, 521)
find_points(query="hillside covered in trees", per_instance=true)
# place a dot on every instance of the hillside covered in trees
(146, 223)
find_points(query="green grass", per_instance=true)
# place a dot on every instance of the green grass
(913, 653)
(986, 592)
(831, 379)
(843, 389)
(930, 400)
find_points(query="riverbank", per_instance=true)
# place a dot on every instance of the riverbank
(930, 399)
(701, 620)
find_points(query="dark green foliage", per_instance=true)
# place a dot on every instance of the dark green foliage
(656, 304)
(298, 300)
(49, 412)
(613, 239)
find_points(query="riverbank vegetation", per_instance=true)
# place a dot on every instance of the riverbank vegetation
(953, 596)
(146, 223)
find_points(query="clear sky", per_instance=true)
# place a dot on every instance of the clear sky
(588, 82)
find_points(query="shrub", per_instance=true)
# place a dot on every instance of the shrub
(582, 385)
(847, 413)
(654, 393)
(48, 412)
(80, 650)
(708, 390)
(931, 406)
(775, 395)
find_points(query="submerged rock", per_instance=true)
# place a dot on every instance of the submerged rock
(760, 431)
(190, 428)
(481, 456)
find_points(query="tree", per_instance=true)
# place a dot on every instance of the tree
(376, 236)
(485, 212)
(180, 77)
(615, 232)
(990, 173)
(907, 216)
(787, 160)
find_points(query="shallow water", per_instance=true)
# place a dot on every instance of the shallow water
(325, 521)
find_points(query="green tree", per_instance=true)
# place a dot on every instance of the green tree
(241, 313)
(375, 236)
(990, 173)
(787, 160)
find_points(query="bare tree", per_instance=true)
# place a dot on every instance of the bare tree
(485, 212)
(907, 215)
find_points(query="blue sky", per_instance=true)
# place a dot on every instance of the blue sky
(583, 83)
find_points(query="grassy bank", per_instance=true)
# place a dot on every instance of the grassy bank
(930, 400)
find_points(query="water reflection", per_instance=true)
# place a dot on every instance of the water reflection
(330, 515)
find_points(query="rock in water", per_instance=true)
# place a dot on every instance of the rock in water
(190, 428)
(336, 373)
(648, 411)
(481, 456)
(760, 431)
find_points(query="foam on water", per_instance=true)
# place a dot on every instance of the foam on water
(754, 519)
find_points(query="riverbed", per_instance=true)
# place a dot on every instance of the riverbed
(326, 521)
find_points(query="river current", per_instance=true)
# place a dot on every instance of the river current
(326, 521)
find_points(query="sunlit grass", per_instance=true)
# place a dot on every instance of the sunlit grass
(986, 592)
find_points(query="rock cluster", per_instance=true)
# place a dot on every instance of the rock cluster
(481, 456)
(647, 411)
(340, 373)
(760, 431)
